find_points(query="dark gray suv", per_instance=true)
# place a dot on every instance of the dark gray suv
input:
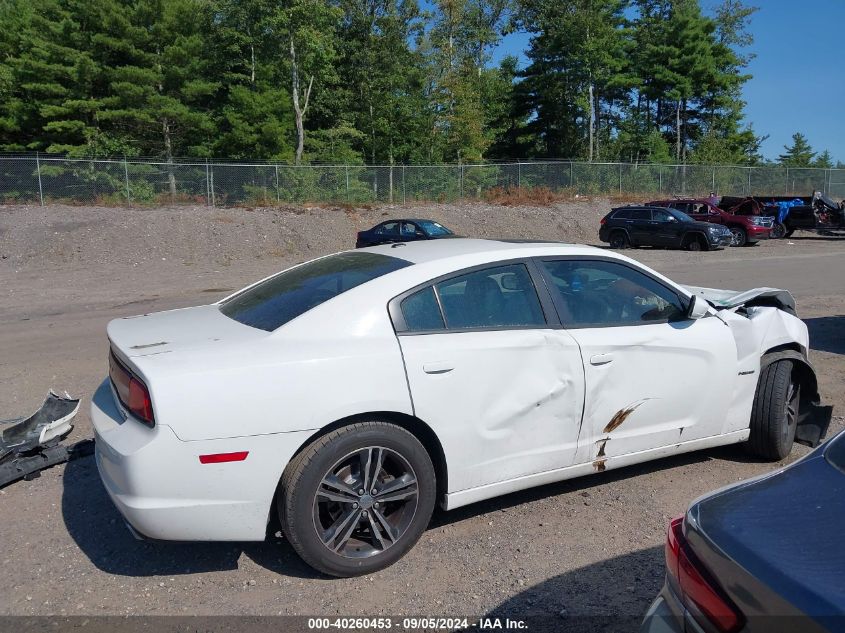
(660, 227)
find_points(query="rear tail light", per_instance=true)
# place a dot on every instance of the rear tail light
(131, 391)
(694, 584)
(603, 220)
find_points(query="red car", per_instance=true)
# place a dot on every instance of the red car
(746, 230)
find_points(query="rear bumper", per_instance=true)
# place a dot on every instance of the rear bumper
(667, 615)
(160, 487)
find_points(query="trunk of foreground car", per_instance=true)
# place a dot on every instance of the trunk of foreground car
(176, 331)
(774, 546)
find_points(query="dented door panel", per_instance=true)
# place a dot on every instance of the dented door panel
(509, 406)
(668, 383)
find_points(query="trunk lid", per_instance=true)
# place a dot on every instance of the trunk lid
(177, 330)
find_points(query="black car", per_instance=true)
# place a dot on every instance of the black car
(660, 227)
(402, 231)
(764, 555)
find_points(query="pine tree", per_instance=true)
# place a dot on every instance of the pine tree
(799, 154)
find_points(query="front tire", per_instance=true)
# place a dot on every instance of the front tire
(357, 499)
(774, 414)
(738, 236)
(694, 243)
(778, 231)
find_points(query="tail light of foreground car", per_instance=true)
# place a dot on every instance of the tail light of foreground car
(131, 391)
(603, 221)
(695, 584)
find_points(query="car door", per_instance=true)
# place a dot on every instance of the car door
(502, 388)
(387, 232)
(666, 228)
(653, 377)
(641, 229)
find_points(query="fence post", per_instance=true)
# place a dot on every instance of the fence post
(571, 179)
(126, 175)
(620, 179)
(403, 183)
(278, 193)
(786, 191)
(518, 175)
(749, 181)
(659, 179)
(346, 168)
(211, 182)
(207, 186)
(38, 168)
(714, 180)
(461, 181)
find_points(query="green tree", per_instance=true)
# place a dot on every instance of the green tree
(305, 32)
(824, 160)
(799, 153)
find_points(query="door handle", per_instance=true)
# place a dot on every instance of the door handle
(440, 367)
(601, 359)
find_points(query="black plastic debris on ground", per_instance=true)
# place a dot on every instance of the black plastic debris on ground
(29, 445)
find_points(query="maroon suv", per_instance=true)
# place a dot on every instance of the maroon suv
(745, 229)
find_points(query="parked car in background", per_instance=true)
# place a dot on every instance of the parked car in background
(660, 227)
(746, 230)
(393, 231)
(760, 556)
(818, 213)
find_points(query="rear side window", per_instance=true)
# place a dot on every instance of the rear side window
(421, 311)
(641, 214)
(494, 297)
(275, 301)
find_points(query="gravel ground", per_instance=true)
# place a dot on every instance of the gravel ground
(591, 546)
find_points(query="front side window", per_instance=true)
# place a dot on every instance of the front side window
(593, 293)
(498, 297)
(283, 297)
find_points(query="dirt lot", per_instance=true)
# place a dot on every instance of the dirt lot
(586, 547)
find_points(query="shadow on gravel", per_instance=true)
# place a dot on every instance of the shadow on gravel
(612, 595)
(730, 453)
(98, 529)
(826, 333)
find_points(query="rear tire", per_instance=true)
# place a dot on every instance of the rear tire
(357, 499)
(619, 240)
(774, 414)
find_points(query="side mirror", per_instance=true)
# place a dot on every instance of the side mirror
(697, 308)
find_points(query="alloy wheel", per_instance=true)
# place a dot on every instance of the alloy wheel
(365, 503)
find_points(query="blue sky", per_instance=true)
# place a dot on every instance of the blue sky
(799, 72)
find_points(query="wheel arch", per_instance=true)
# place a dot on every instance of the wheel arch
(813, 417)
(414, 425)
(697, 235)
(619, 229)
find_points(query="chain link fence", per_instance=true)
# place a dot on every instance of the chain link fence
(48, 179)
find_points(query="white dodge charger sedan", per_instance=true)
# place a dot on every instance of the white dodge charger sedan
(349, 394)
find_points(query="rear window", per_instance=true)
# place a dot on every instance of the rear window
(275, 301)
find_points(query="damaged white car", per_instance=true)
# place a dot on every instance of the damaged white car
(349, 394)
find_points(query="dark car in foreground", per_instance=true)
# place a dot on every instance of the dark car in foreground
(764, 555)
(662, 228)
(391, 231)
(746, 230)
